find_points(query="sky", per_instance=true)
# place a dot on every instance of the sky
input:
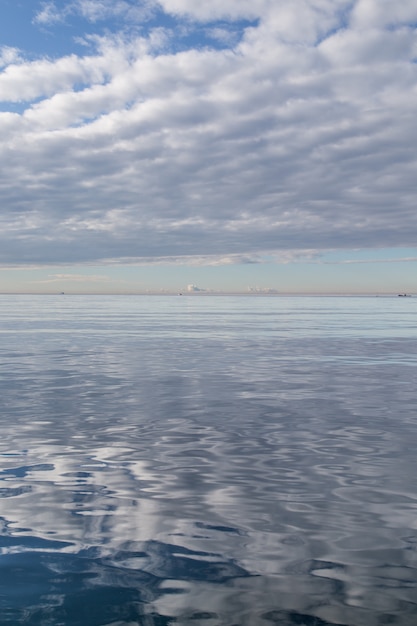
(228, 145)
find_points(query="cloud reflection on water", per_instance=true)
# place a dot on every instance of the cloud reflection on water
(214, 482)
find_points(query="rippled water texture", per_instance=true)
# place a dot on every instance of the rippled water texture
(244, 461)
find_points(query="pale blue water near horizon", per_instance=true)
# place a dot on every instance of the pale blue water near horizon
(214, 460)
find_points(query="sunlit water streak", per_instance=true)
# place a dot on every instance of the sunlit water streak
(207, 460)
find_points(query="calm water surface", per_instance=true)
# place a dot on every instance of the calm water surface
(234, 461)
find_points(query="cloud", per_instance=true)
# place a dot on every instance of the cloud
(61, 278)
(383, 260)
(48, 14)
(26, 82)
(262, 290)
(96, 10)
(370, 14)
(298, 136)
(9, 55)
(215, 9)
(93, 11)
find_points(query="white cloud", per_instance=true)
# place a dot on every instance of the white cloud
(9, 55)
(369, 14)
(216, 9)
(93, 11)
(48, 14)
(44, 78)
(61, 278)
(262, 290)
(300, 137)
(365, 261)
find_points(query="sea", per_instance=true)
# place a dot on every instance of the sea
(205, 460)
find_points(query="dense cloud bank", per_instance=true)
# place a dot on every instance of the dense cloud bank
(222, 129)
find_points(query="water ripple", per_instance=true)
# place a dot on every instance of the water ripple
(156, 471)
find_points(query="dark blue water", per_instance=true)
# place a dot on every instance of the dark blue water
(234, 461)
